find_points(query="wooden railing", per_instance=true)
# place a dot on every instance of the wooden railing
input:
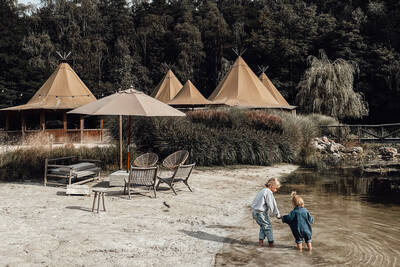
(374, 133)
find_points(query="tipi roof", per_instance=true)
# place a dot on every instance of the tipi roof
(167, 89)
(272, 89)
(62, 90)
(189, 95)
(241, 87)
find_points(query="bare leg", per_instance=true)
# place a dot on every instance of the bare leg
(309, 246)
(261, 243)
(271, 245)
(300, 246)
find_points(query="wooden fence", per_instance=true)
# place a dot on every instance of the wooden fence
(374, 133)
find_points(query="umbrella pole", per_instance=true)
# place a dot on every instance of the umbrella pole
(120, 142)
(129, 141)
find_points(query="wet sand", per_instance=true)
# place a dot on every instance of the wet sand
(43, 227)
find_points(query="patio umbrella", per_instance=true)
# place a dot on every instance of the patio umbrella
(129, 103)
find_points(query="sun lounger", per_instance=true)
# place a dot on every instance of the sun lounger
(71, 168)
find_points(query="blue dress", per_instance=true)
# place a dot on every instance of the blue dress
(300, 220)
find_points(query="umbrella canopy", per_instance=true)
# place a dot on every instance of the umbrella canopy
(130, 103)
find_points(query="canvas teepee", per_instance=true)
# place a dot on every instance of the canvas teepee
(272, 89)
(167, 89)
(189, 95)
(241, 87)
(62, 90)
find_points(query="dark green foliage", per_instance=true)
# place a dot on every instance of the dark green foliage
(116, 44)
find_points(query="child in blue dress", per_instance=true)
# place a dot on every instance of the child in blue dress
(299, 220)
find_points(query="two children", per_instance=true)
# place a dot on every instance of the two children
(299, 219)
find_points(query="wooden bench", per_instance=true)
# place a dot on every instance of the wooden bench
(72, 169)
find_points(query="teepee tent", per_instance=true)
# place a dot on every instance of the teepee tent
(241, 87)
(167, 89)
(62, 91)
(189, 95)
(272, 89)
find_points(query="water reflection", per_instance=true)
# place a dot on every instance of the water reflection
(357, 223)
(370, 188)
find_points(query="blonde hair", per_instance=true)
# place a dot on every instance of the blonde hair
(273, 181)
(297, 201)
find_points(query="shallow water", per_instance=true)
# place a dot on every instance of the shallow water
(357, 223)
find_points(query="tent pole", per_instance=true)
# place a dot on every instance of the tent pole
(120, 142)
(129, 141)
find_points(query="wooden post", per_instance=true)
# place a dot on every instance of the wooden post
(46, 163)
(65, 121)
(81, 127)
(101, 129)
(129, 141)
(120, 142)
(42, 121)
(7, 122)
(23, 126)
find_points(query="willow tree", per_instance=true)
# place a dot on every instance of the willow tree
(327, 88)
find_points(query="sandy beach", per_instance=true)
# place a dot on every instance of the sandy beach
(41, 226)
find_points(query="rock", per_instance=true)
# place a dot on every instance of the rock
(325, 140)
(388, 152)
(356, 149)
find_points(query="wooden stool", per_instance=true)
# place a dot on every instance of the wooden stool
(98, 192)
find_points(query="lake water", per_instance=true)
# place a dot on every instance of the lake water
(357, 223)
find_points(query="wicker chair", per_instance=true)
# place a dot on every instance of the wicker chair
(141, 177)
(146, 160)
(181, 174)
(175, 159)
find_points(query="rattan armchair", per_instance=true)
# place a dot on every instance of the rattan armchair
(175, 159)
(141, 177)
(146, 160)
(181, 174)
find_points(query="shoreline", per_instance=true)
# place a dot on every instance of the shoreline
(42, 226)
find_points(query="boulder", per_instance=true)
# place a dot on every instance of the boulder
(388, 152)
(356, 149)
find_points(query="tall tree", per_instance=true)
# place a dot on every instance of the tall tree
(327, 88)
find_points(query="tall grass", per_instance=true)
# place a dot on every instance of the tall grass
(225, 137)
(28, 163)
